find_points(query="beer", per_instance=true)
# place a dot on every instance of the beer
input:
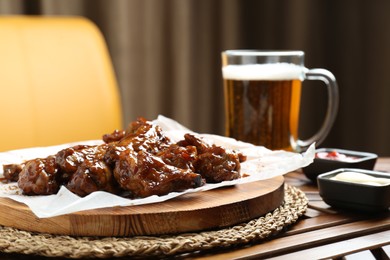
(262, 103)
(262, 97)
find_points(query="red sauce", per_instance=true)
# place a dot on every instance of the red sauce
(334, 155)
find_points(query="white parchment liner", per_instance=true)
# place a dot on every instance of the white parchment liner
(261, 164)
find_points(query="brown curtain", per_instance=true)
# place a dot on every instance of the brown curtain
(166, 56)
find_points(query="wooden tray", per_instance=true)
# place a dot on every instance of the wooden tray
(193, 212)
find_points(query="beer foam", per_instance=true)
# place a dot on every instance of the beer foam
(273, 71)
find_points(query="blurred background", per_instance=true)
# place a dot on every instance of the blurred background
(166, 56)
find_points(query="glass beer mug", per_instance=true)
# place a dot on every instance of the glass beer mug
(262, 98)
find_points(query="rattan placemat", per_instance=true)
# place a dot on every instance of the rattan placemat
(23, 242)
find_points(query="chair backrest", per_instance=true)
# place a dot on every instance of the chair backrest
(57, 82)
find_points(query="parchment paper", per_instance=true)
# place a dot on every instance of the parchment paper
(261, 164)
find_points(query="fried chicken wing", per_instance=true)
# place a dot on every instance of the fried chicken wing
(69, 159)
(11, 171)
(39, 177)
(114, 136)
(146, 136)
(92, 173)
(144, 174)
(179, 156)
(92, 176)
(214, 163)
(140, 135)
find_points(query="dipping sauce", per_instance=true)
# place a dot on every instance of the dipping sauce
(334, 155)
(361, 178)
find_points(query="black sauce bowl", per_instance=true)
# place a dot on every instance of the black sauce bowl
(354, 196)
(362, 160)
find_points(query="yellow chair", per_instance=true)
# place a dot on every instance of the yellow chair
(57, 83)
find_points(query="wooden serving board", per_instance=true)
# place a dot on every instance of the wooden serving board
(192, 212)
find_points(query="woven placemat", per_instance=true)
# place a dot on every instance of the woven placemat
(23, 242)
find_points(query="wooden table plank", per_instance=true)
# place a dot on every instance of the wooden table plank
(302, 241)
(342, 248)
(319, 222)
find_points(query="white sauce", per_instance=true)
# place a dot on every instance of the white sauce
(356, 177)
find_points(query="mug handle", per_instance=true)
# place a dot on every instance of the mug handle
(333, 102)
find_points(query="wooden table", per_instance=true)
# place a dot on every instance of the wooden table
(323, 232)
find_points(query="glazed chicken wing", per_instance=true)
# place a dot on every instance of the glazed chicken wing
(69, 159)
(180, 156)
(143, 174)
(214, 163)
(140, 135)
(39, 177)
(92, 172)
(11, 171)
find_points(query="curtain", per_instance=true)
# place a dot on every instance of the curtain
(166, 55)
